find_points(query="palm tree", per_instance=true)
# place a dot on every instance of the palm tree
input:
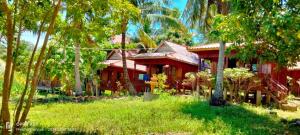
(199, 14)
(153, 11)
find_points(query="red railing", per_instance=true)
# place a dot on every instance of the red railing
(278, 89)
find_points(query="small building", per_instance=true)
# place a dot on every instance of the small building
(277, 76)
(114, 71)
(210, 52)
(172, 59)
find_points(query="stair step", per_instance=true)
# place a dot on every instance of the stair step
(289, 107)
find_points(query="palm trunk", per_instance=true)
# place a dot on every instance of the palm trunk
(217, 98)
(127, 81)
(5, 116)
(37, 68)
(78, 88)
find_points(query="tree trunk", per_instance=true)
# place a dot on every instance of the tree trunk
(16, 56)
(217, 98)
(5, 116)
(21, 100)
(127, 81)
(37, 68)
(78, 88)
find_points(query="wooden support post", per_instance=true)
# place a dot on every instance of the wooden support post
(226, 62)
(268, 100)
(134, 72)
(224, 94)
(96, 85)
(258, 97)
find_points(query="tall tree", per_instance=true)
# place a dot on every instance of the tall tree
(20, 121)
(85, 27)
(127, 14)
(152, 12)
(5, 116)
(268, 31)
(199, 14)
(157, 18)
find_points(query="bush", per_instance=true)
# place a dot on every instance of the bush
(161, 81)
(236, 80)
(17, 86)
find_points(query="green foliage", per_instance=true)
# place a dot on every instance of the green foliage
(237, 74)
(173, 115)
(161, 81)
(204, 75)
(191, 76)
(109, 45)
(199, 14)
(267, 31)
(236, 81)
(174, 35)
(17, 86)
(157, 14)
(23, 58)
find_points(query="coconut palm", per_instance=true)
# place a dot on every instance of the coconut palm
(152, 12)
(199, 14)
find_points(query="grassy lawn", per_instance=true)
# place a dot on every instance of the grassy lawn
(168, 115)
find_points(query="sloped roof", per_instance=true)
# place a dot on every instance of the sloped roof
(171, 51)
(117, 54)
(130, 64)
(206, 47)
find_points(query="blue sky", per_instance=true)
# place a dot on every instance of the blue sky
(30, 37)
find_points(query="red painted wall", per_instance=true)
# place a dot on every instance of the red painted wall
(112, 77)
(295, 74)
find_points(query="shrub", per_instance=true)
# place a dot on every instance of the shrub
(161, 81)
(235, 79)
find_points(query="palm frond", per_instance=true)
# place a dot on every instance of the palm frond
(146, 39)
(199, 13)
(166, 21)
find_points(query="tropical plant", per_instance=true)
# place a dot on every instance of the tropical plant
(268, 31)
(174, 35)
(161, 81)
(205, 81)
(236, 80)
(20, 119)
(124, 12)
(192, 79)
(157, 13)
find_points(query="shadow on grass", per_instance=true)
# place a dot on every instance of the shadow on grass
(238, 119)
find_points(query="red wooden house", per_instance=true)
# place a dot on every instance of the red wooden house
(172, 59)
(277, 76)
(210, 52)
(114, 71)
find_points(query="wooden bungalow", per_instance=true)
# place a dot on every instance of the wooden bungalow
(211, 52)
(172, 59)
(276, 83)
(113, 73)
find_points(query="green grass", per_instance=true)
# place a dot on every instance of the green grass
(168, 115)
